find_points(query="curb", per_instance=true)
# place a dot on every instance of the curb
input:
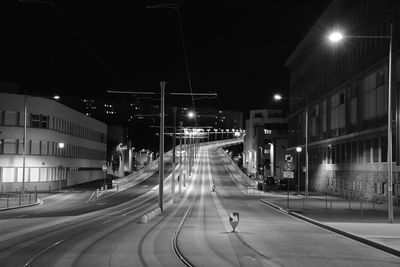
(39, 201)
(335, 230)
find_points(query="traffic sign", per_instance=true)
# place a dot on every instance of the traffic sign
(288, 174)
(234, 220)
(288, 158)
(288, 166)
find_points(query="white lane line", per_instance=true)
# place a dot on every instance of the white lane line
(90, 197)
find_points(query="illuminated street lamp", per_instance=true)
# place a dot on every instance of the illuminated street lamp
(278, 97)
(298, 150)
(61, 147)
(336, 37)
(190, 114)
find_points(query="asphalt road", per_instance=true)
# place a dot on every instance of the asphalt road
(67, 231)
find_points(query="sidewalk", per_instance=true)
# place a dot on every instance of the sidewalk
(13, 200)
(361, 221)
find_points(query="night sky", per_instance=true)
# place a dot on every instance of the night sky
(234, 48)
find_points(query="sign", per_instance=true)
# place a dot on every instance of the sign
(288, 174)
(288, 158)
(288, 166)
(234, 220)
(104, 168)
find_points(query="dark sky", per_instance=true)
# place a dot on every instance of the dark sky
(234, 48)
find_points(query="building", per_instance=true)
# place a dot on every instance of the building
(265, 143)
(343, 88)
(48, 165)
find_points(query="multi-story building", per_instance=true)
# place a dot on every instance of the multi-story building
(265, 143)
(344, 88)
(47, 163)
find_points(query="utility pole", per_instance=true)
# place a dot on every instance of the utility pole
(180, 159)
(161, 162)
(173, 156)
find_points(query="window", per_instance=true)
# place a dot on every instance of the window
(360, 152)
(354, 152)
(348, 153)
(8, 175)
(10, 146)
(337, 111)
(324, 115)
(375, 151)
(384, 150)
(39, 121)
(11, 118)
(368, 151)
(374, 96)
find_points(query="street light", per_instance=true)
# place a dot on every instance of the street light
(278, 97)
(337, 36)
(61, 147)
(298, 150)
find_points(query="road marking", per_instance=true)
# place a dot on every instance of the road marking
(90, 197)
(101, 203)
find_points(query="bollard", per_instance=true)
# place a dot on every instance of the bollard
(30, 197)
(373, 202)
(20, 197)
(35, 194)
(97, 192)
(349, 200)
(7, 199)
(144, 219)
(326, 200)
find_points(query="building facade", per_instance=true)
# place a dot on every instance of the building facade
(48, 165)
(265, 143)
(343, 89)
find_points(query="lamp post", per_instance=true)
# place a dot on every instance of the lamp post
(298, 150)
(61, 147)
(336, 37)
(279, 97)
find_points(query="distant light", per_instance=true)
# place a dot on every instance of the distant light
(190, 114)
(61, 145)
(335, 37)
(277, 97)
(56, 97)
(298, 149)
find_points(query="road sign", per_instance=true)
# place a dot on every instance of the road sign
(288, 174)
(234, 220)
(288, 166)
(288, 158)
(104, 168)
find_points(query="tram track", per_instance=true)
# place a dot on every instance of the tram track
(54, 236)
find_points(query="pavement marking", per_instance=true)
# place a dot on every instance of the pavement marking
(101, 203)
(20, 216)
(90, 197)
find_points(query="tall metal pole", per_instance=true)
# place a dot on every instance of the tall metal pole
(180, 159)
(173, 156)
(161, 162)
(389, 132)
(186, 161)
(306, 154)
(24, 149)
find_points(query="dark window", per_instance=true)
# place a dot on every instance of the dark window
(360, 152)
(384, 150)
(341, 98)
(348, 153)
(375, 152)
(368, 151)
(380, 78)
(39, 121)
(354, 152)
(343, 153)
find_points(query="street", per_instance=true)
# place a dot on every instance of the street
(67, 231)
